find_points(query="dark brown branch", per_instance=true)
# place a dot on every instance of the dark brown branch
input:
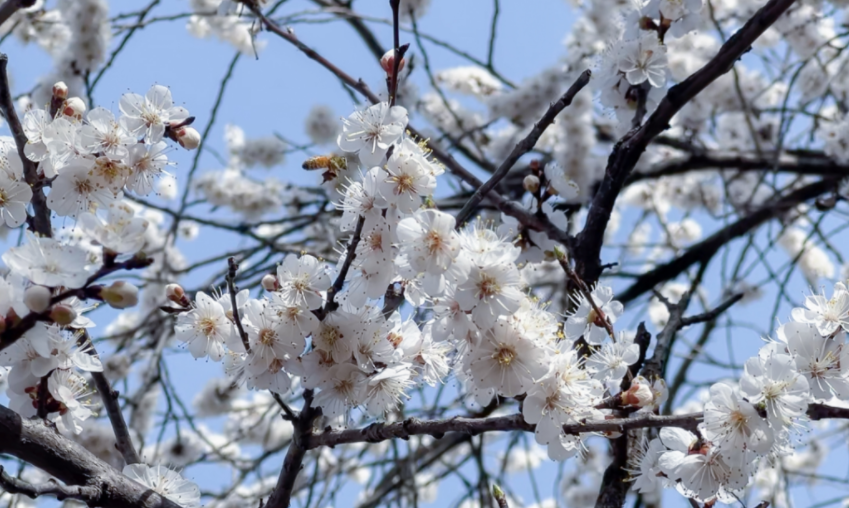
(350, 255)
(627, 151)
(51, 487)
(10, 7)
(703, 251)
(537, 223)
(41, 220)
(524, 146)
(473, 426)
(711, 314)
(799, 165)
(294, 460)
(40, 445)
(124, 442)
(653, 368)
(232, 268)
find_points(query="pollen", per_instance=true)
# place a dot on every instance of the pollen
(434, 241)
(504, 356)
(404, 184)
(267, 337)
(488, 287)
(207, 326)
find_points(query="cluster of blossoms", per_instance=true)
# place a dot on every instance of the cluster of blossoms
(88, 159)
(753, 421)
(482, 322)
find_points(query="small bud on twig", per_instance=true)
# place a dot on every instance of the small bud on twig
(37, 298)
(387, 62)
(63, 314)
(531, 184)
(120, 295)
(269, 283)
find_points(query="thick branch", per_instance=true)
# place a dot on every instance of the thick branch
(705, 250)
(41, 220)
(524, 146)
(40, 445)
(473, 426)
(10, 7)
(627, 152)
(788, 163)
(294, 460)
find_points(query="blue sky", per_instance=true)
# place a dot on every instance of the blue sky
(274, 93)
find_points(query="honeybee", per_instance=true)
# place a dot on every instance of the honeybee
(328, 162)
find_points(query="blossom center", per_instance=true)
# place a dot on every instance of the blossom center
(404, 183)
(267, 336)
(488, 287)
(504, 355)
(434, 242)
(207, 326)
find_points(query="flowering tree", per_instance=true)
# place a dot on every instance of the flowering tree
(526, 278)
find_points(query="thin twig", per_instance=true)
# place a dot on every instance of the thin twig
(41, 218)
(232, 268)
(524, 146)
(109, 397)
(12, 485)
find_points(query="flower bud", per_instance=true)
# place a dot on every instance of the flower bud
(60, 90)
(531, 184)
(63, 314)
(188, 137)
(177, 294)
(269, 283)
(638, 395)
(120, 295)
(388, 62)
(74, 107)
(37, 298)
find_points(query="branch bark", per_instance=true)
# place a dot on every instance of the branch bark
(292, 464)
(40, 221)
(116, 418)
(627, 151)
(41, 446)
(703, 251)
(524, 146)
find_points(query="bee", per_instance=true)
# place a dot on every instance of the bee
(329, 162)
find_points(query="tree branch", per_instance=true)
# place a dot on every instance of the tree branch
(703, 251)
(232, 268)
(294, 460)
(12, 485)
(535, 222)
(41, 220)
(109, 397)
(39, 444)
(10, 7)
(524, 146)
(628, 150)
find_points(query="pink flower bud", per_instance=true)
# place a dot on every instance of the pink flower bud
(74, 107)
(269, 283)
(176, 294)
(120, 295)
(188, 137)
(37, 298)
(60, 90)
(531, 184)
(388, 62)
(63, 314)
(638, 395)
